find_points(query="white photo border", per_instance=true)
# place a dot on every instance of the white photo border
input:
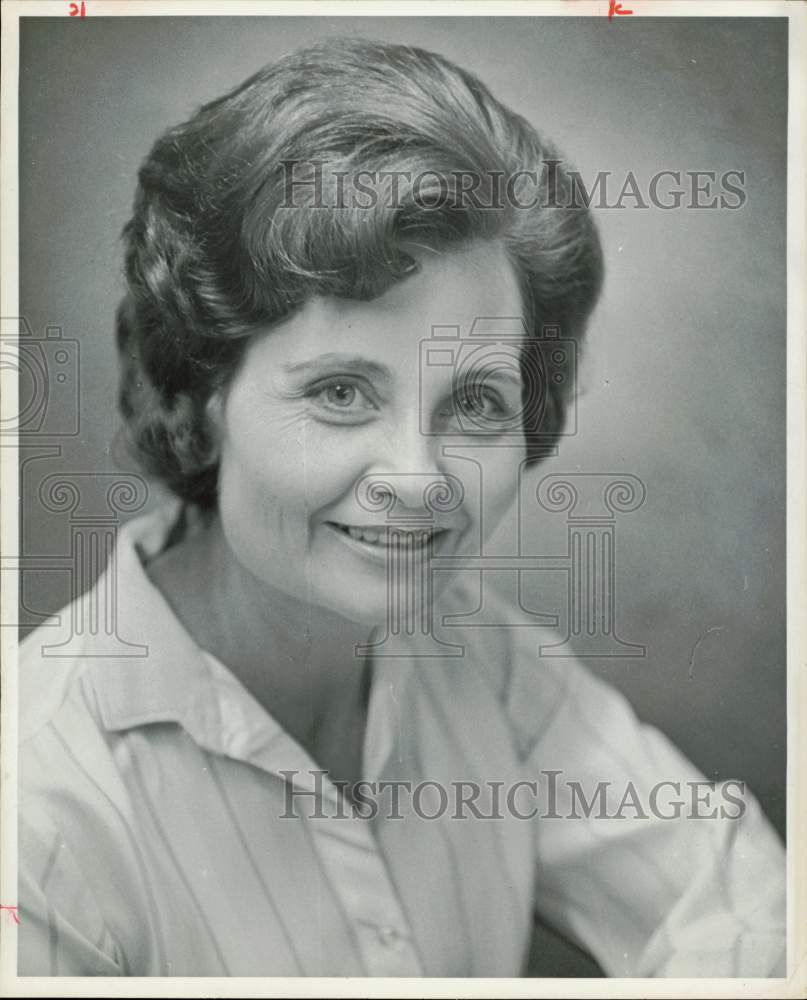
(795, 984)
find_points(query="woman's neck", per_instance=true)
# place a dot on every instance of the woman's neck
(296, 659)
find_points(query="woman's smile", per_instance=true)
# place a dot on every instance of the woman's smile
(340, 455)
(380, 543)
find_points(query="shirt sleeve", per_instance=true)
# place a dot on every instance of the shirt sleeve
(641, 861)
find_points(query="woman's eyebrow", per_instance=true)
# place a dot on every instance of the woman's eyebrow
(486, 375)
(355, 364)
(500, 374)
(349, 363)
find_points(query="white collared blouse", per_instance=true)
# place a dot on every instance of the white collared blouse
(169, 826)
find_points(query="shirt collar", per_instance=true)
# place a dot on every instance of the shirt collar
(169, 678)
(166, 677)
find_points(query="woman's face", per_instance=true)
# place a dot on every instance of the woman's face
(339, 397)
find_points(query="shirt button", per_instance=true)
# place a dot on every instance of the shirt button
(388, 935)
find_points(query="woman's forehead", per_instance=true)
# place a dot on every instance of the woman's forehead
(453, 289)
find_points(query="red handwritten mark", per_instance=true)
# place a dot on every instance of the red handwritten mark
(76, 10)
(613, 8)
(13, 911)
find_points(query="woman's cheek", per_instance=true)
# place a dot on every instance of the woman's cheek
(335, 457)
(489, 479)
(289, 480)
(502, 479)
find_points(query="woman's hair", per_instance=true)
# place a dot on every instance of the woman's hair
(312, 178)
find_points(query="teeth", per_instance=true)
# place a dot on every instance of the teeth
(375, 536)
(364, 534)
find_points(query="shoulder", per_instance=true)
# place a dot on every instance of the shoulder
(47, 681)
(66, 765)
(65, 657)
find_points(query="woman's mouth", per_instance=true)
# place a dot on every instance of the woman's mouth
(386, 539)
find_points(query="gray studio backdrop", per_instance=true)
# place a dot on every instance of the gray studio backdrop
(683, 378)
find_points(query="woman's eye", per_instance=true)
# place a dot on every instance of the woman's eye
(340, 395)
(479, 403)
(477, 408)
(342, 398)
(473, 401)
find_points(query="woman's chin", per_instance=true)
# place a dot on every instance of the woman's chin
(372, 615)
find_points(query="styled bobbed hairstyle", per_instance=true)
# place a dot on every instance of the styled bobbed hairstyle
(238, 221)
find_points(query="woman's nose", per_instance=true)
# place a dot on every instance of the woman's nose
(409, 469)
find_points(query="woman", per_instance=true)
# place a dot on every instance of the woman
(274, 788)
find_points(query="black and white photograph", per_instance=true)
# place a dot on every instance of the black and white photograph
(402, 499)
